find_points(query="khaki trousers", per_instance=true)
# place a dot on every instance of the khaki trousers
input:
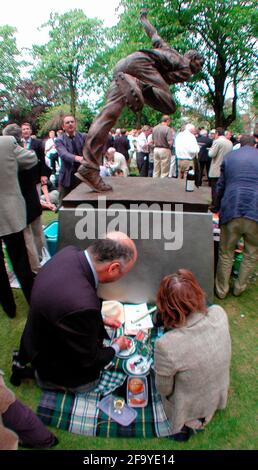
(34, 241)
(183, 166)
(229, 235)
(162, 158)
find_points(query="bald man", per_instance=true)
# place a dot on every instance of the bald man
(64, 333)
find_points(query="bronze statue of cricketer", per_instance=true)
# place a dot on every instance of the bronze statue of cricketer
(141, 77)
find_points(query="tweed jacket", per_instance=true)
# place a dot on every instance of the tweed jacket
(192, 368)
(12, 205)
(217, 152)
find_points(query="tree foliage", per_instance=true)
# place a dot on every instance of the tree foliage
(222, 30)
(52, 118)
(10, 66)
(74, 43)
(29, 100)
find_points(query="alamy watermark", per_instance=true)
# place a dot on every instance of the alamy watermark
(138, 221)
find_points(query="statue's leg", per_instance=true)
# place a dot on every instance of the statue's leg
(159, 99)
(88, 171)
(130, 87)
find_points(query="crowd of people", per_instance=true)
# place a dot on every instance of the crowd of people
(36, 175)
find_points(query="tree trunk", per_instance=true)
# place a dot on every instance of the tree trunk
(72, 99)
(138, 124)
(219, 98)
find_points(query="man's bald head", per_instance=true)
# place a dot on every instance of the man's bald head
(113, 256)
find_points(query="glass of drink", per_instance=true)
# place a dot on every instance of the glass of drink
(118, 404)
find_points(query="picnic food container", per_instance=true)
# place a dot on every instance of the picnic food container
(116, 408)
(137, 391)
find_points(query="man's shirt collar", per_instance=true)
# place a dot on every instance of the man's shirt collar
(92, 268)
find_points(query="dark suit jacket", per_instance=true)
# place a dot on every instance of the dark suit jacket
(64, 332)
(237, 188)
(66, 153)
(28, 181)
(122, 145)
(42, 168)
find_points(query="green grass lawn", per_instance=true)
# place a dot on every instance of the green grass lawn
(233, 428)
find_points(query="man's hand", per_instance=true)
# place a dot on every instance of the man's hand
(112, 322)
(78, 158)
(123, 342)
(144, 13)
(43, 180)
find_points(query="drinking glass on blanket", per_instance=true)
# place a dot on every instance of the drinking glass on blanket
(118, 404)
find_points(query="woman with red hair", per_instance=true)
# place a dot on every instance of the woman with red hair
(192, 358)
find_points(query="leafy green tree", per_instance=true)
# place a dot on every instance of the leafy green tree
(74, 43)
(222, 30)
(10, 66)
(29, 100)
(52, 118)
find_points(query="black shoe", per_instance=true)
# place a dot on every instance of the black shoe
(21, 373)
(10, 312)
(55, 442)
(9, 308)
(182, 436)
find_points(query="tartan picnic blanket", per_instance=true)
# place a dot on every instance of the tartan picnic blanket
(79, 413)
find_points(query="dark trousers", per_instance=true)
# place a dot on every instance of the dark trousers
(17, 252)
(6, 294)
(205, 165)
(63, 190)
(213, 182)
(31, 431)
(142, 160)
(150, 170)
(53, 162)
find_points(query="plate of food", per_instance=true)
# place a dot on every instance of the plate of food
(137, 365)
(129, 351)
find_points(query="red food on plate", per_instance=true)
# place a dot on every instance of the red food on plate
(136, 386)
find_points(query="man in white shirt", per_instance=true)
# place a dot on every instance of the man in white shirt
(187, 148)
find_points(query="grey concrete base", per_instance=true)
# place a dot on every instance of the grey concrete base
(166, 241)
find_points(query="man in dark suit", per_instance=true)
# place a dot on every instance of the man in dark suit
(69, 147)
(237, 200)
(43, 171)
(64, 333)
(122, 144)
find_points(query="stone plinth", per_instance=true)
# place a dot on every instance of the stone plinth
(172, 229)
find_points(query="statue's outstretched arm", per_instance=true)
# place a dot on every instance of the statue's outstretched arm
(157, 41)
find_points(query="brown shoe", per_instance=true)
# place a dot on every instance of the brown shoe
(92, 179)
(131, 91)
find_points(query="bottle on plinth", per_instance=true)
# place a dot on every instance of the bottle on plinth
(190, 179)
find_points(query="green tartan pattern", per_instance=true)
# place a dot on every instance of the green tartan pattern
(80, 413)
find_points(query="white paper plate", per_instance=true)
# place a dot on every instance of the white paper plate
(137, 365)
(127, 352)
